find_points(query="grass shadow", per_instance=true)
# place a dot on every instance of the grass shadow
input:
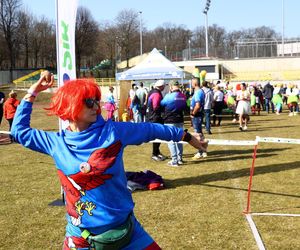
(248, 152)
(231, 174)
(254, 191)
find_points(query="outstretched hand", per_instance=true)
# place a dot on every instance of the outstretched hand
(45, 82)
(198, 143)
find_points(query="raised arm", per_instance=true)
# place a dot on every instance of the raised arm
(34, 139)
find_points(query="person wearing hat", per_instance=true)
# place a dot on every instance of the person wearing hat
(154, 114)
(174, 104)
(110, 105)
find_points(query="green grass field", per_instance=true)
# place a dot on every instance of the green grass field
(201, 208)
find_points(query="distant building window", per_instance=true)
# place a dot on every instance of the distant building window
(208, 68)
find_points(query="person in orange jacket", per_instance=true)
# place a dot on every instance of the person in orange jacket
(10, 108)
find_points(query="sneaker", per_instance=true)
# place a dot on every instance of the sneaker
(241, 128)
(245, 128)
(295, 113)
(156, 158)
(291, 114)
(197, 156)
(180, 162)
(209, 132)
(162, 157)
(173, 164)
(204, 154)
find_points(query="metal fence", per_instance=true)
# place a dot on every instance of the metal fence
(100, 81)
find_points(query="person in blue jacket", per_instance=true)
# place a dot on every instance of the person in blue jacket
(88, 158)
(174, 104)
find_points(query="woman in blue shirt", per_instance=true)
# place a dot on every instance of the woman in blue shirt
(88, 158)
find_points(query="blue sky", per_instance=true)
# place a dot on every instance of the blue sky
(230, 14)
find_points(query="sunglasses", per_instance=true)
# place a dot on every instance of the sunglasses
(90, 102)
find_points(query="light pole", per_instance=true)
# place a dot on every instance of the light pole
(116, 55)
(141, 34)
(190, 55)
(282, 38)
(205, 11)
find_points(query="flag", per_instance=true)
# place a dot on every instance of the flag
(65, 41)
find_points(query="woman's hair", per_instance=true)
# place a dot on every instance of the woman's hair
(12, 94)
(217, 87)
(68, 101)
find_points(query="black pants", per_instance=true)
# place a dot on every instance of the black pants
(10, 121)
(155, 149)
(155, 146)
(218, 112)
(1, 113)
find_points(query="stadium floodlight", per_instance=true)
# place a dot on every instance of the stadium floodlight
(282, 35)
(205, 11)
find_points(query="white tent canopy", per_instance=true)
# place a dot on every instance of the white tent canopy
(154, 66)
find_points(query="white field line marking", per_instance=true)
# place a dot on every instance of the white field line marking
(255, 232)
(274, 214)
(237, 184)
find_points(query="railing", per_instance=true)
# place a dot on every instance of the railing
(100, 81)
(27, 84)
(23, 78)
(106, 81)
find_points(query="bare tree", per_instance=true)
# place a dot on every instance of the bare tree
(199, 37)
(230, 43)
(42, 32)
(127, 26)
(171, 37)
(256, 42)
(217, 37)
(25, 23)
(86, 34)
(4, 55)
(9, 25)
(109, 42)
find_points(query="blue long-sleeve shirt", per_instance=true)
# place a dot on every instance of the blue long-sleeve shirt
(90, 165)
(174, 105)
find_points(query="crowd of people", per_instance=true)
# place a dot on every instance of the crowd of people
(205, 103)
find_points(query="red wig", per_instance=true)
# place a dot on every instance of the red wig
(68, 101)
